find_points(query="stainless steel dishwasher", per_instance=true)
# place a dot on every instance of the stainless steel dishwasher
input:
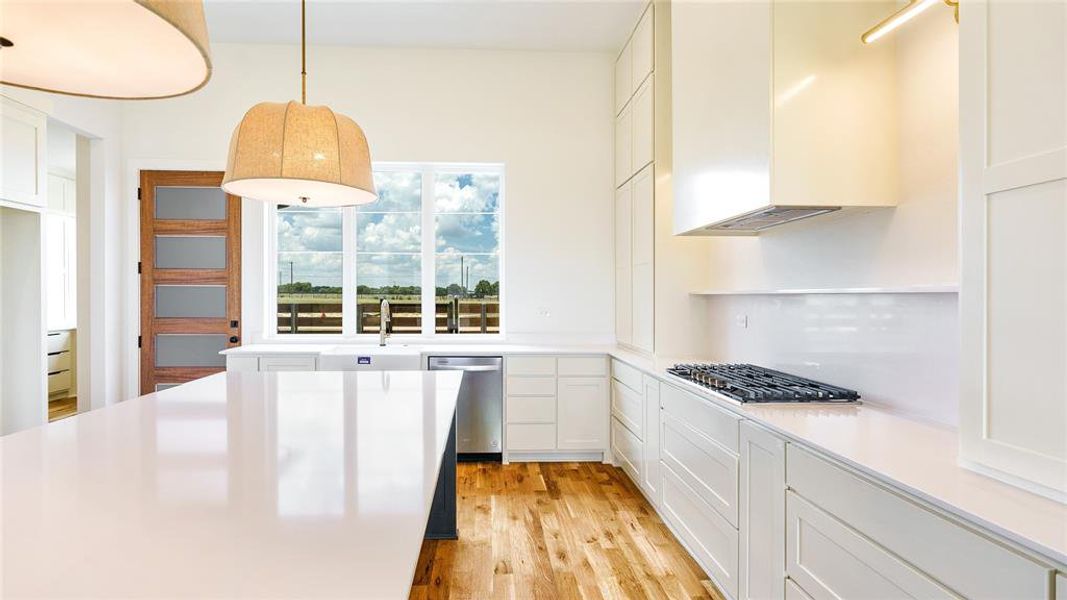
(479, 415)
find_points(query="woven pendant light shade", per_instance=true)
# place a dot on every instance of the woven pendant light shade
(298, 154)
(122, 49)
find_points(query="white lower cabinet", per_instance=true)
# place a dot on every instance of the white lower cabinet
(1061, 586)
(709, 537)
(582, 413)
(794, 591)
(555, 405)
(762, 514)
(650, 467)
(877, 539)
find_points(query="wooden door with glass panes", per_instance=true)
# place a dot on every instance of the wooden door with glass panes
(190, 276)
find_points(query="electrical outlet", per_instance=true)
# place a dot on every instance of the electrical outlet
(544, 312)
(742, 321)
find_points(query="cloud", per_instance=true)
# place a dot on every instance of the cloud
(318, 268)
(473, 193)
(309, 229)
(390, 232)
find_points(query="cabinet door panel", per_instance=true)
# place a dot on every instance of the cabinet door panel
(623, 78)
(626, 407)
(832, 561)
(650, 475)
(624, 146)
(709, 469)
(582, 413)
(627, 450)
(709, 537)
(762, 519)
(23, 173)
(623, 265)
(643, 118)
(643, 48)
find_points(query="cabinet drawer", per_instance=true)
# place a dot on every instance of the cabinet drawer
(58, 362)
(531, 436)
(582, 366)
(709, 537)
(626, 375)
(287, 363)
(531, 386)
(57, 340)
(531, 409)
(832, 561)
(531, 365)
(719, 425)
(627, 450)
(628, 408)
(962, 560)
(709, 469)
(59, 381)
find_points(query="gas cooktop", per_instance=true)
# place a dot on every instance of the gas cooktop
(750, 383)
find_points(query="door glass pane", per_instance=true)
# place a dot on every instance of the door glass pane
(309, 270)
(389, 254)
(208, 301)
(165, 386)
(467, 248)
(190, 203)
(190, 252)
(190, 350)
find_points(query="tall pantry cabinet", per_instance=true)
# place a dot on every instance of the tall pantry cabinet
(634, 182)
(1013, 211)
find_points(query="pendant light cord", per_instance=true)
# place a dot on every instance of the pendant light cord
(303, 53)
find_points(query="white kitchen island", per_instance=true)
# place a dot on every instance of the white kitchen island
(238, 485)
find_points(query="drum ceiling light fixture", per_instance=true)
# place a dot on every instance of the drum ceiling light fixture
(293, 153)
(118, 49)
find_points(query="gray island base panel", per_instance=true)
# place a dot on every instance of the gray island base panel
(285, 484)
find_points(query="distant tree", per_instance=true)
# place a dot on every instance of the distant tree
(483, 289)
(455, 289)
(496, 288)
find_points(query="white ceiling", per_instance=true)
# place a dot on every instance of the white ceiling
(594, 25)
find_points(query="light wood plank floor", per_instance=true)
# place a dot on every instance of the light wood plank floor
(61, 409)
(556, 530)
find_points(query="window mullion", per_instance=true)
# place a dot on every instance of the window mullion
(429, 276)
(349, 297)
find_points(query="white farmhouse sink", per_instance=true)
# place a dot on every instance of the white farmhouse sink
(371, 358)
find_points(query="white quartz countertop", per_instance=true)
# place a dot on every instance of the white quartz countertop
(238, 485)
(903, 453)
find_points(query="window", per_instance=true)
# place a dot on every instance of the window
(430, 245)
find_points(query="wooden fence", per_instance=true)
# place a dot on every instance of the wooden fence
(451, 316)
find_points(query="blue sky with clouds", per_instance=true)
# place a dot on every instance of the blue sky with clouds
(389, 233)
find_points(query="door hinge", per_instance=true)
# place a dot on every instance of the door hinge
(138, 341)
(138, 193)
(138, 267)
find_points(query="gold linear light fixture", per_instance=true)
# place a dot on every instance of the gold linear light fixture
(292, 153)
(118, 49)
(902, 16)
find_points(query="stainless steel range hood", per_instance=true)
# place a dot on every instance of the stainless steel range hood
(756, 221)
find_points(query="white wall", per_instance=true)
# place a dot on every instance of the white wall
(898, 350)
(545, 115)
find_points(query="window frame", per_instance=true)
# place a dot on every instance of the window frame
(428, 252)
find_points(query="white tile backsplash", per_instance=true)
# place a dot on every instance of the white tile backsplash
(900, 351)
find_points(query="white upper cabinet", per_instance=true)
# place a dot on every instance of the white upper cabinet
(624, 145)
(642, 49)
(623, 78)
(642, 126)
(779, 113)
(1013, 211)
(624, 264)
(642, 259)
(22, 155)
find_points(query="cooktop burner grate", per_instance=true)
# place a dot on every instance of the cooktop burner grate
(750, 383)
